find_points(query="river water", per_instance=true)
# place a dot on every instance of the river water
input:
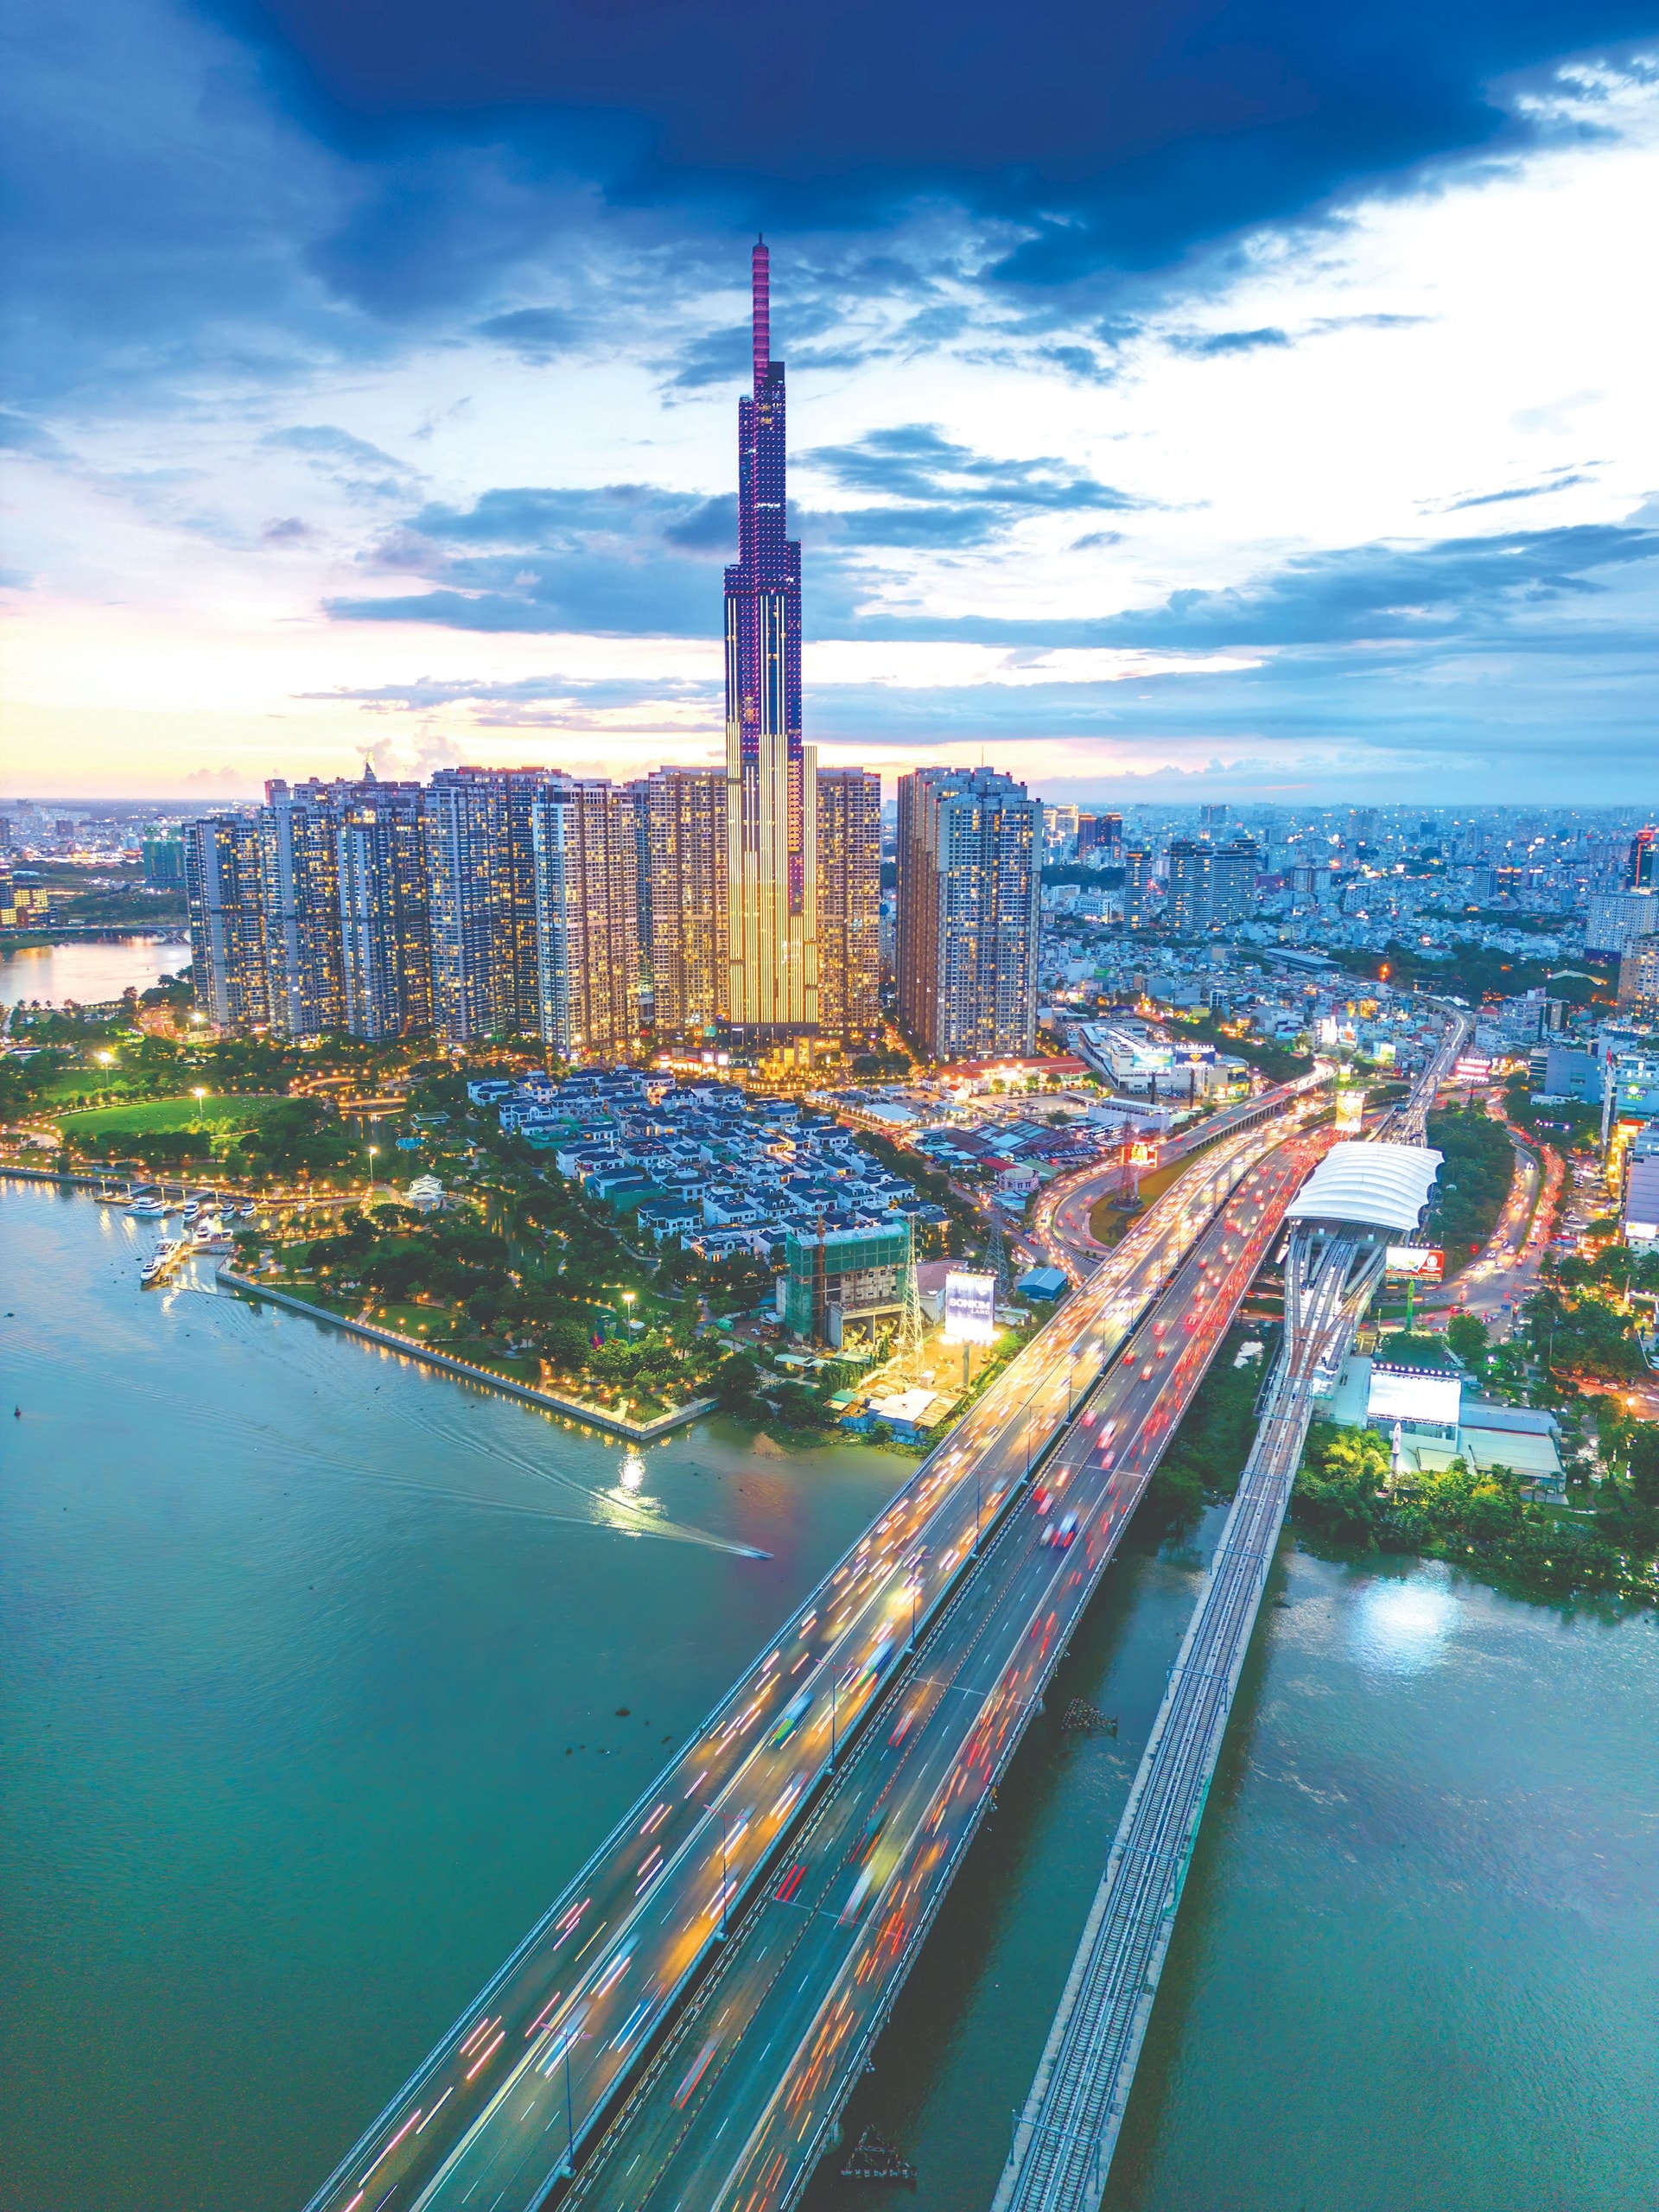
(308, 1703)
(91, 971)
(1415, 1963)
(296, 1638)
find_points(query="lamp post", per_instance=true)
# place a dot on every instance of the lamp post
(628, 1297)
(199, 1094)
(569, 2166)
(725, 1879)
(373, 1148)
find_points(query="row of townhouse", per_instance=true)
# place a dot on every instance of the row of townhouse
(702, 1161)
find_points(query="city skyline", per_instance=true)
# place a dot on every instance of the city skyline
(1286, 456)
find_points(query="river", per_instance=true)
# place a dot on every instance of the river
(312, 1669)
(1416, 1956)
(91, 971)
(321, 1675)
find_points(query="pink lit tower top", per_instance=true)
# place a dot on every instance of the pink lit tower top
(771, 776)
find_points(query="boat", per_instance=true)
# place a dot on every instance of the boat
(161, 1262)
(148, 1209)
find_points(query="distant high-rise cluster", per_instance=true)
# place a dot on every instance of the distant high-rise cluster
(741, 902)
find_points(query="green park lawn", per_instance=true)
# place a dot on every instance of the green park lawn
(167, 1117)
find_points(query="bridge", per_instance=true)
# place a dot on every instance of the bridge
(528, 2078)
(1060, 1222)
(1362, 1196)
(744, 2096)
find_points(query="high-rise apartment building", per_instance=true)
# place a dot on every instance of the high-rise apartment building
(299, 827)
(969, 870)
(850, 903)
(1642, 864)
(224, 890)
(1638, 979)
(683, 901)
(1615, 919)
(584, 835)
(469, 888)
(1210, 884)
(384, 914)
(1140, 871)
(1099, 832)
(771, 783)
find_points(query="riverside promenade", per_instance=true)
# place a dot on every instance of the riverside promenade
(636, 1432)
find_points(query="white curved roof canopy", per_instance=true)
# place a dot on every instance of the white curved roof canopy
(1386, 1185)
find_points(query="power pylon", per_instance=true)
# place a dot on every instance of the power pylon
(907, 1349)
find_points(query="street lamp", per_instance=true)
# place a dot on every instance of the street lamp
(628, 1297)
(373, 1148)
(199, 1094)
(725, 1880)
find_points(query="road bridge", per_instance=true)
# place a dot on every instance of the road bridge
(1361, 1196)
(531, 2069)
(741, 2100)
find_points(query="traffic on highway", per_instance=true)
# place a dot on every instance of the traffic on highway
(734, 2109)
(511, 2090)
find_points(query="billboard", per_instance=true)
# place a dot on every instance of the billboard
(1418, 1262)
(970, 1308)
(1432, 1394)
(1351, 1112)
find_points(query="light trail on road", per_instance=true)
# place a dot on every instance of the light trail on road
(532, 2066)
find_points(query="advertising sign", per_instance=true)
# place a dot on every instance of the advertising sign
(1431, 1394)
(1416, 1263)
(1351, 1112)
(970, 1308)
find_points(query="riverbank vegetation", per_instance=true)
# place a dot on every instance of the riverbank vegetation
(1206, 1455)
(1346, 1494)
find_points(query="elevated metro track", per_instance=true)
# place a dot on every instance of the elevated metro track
(741, 2101)
(1364, 1195)
(531, 2072)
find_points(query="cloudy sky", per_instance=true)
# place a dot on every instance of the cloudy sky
(1189, 398)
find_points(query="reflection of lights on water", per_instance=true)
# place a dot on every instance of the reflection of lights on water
(1402, 1627)
(634, 1471)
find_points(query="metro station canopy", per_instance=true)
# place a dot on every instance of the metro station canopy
(1383, 1186)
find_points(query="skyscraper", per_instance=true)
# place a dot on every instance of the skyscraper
(384, 914)
(465, 815)
(1642, 866)
(587, 889)
(771, 783)
(224, 888)
(1139, 871)
(849, 904)
(299, 841)
(970, 869)
(685, 835)
(1210, 884)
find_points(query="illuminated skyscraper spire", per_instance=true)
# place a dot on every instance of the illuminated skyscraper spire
(771, 777)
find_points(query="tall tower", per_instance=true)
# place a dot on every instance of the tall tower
(771, 777)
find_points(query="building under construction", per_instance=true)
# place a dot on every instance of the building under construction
(843, 1278)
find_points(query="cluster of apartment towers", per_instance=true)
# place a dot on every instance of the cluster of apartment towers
(740, 901)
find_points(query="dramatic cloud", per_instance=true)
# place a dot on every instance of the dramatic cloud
(1171, 378)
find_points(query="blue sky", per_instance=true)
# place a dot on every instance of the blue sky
(1248, 400)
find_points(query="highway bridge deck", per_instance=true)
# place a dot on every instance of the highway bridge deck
(533, 2066)
(738, 2105)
